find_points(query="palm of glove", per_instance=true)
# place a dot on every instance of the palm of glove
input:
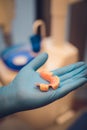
(30, 97)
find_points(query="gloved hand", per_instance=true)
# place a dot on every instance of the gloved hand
(22, 94)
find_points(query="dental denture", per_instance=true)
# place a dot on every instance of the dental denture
(53, 81)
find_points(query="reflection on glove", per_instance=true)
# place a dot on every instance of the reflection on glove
(22, 94)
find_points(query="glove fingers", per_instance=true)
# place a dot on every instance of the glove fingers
(69, 86)
(66, 69)
(81, 74)
(74, 78)
(73, 85)
(76, 72)
(63, 90)
(38, 61)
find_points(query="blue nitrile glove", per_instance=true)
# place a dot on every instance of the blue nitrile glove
(22, 94)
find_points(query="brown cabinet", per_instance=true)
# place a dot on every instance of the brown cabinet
(78, 26)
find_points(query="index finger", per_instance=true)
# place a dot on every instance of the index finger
(67, 68)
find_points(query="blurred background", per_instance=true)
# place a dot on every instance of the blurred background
(58, 27)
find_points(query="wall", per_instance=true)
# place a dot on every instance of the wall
(85, 58)
(22, 24)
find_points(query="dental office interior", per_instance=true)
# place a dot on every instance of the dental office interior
(62, 27)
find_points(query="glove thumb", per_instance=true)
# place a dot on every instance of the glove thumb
(38, 61)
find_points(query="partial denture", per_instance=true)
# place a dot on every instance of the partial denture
(53, 81)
